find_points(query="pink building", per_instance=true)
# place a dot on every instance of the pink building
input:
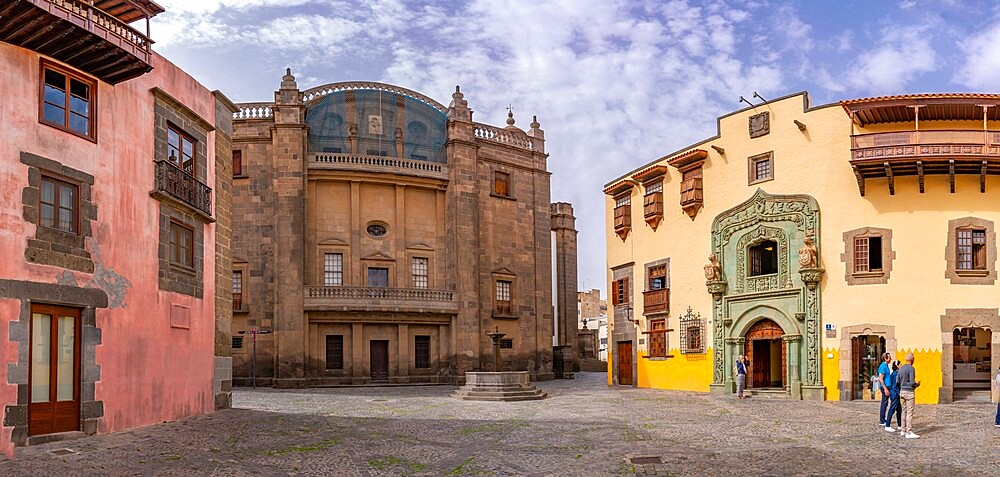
(115, 292)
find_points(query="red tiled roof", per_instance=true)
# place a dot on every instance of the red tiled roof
(933, 106)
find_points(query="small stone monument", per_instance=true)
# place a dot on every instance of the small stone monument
(498, 385)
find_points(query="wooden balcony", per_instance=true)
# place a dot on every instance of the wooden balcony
(652, 208)
(174, 184)
(623, 220)
(92, 36)
(380, 299)
(656, 302)
(919, 153)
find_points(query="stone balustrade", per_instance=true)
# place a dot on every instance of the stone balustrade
(415, 300)
(254, 111)
(503, 136)
(394, 165)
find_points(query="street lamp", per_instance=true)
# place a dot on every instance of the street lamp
(628, 316)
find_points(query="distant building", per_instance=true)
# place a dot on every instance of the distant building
(812, 239)
(114, 179)
(379, 235)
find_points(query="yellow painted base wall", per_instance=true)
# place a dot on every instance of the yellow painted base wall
(683, 372)
(831, 373)
(927, 364)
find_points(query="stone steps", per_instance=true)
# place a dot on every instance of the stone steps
(972, 396)
(498, 386)
(767, 393)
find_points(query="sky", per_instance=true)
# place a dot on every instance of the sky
(615, 84)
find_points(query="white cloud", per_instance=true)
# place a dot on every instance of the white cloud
(981, 68)
(902, 55)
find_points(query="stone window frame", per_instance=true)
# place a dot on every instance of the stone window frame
(752, 161)
(243, 269)
(184, 232)
(426, 263)
(171, 113)
(237, 165)
(971, 277)
(52, 246)
(498, 276)
(176, 277)
(502, 177)
(57, 185)
(888, 256)
(70, 74)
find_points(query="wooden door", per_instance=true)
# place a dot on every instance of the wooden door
(857, 344)
(54, 370)
(625, 363)
(760, 366)
(380, 360)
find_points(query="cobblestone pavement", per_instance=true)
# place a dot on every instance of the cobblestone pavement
(583, 428)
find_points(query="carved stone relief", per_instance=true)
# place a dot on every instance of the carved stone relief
(760, 124)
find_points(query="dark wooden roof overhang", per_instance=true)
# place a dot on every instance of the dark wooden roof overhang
(933, 107)
(688, 160)
(620, 187)
(650, 174)
(129, 11)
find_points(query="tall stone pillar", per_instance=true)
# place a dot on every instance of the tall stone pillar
(223, 381)
(542, 367)
(288, 149)
(565, 276)
(793, 345)
(463, 239)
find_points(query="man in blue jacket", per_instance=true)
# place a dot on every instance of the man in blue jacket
(883, 382)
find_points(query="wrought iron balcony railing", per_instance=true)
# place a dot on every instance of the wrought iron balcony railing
(179, 185)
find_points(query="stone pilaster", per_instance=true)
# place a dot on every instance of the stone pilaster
(223, 382)
(288, 147)
(564, 228)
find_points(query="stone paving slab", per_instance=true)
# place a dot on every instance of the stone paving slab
(584, 428)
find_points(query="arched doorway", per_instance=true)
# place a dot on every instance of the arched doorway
(767, 355)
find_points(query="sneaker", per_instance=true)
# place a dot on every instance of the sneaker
(911, 435)
(889, 429)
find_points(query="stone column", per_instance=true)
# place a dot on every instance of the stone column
(357, 354)
(564, 227)
(403, 356)
(793, 345)
(734, 348)
(288, 136)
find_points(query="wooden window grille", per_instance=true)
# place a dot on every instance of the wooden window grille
(68, 101)
(867, 254)
(623, 200)
(503, 298)
(237, 289)
(181, 150)
(658, 338)
(620, 292)
(59, 205)
(378, 277)
(422, 351)
(333, 269)
(501, 183)
(181, 244)
(655, 187)
(237, 163)
(971, 249)
(334, 351)
(691, 187)
(420, 272)
(658, 277)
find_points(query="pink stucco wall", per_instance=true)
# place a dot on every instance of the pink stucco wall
(150, 372)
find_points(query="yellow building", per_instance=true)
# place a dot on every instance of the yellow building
(836, 232)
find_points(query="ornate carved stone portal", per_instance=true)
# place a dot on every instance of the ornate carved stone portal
(744, 294)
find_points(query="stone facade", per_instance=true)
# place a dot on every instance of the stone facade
(372, 232)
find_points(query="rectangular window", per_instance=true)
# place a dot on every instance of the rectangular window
(656, 187)
(59, 205)
(180, 149)
(378, 277)
(620, 292)
(760, 168)
(971, 249)
(334, 351)
(420, 275)
(67, 101)
(658, 338)
(333, 269)
(501, 183)
(694, 339)
(503, 302)
(623, 200)
(867, 254)
(506, 343)
(237, 163)
(181, 245)
(237, 289)
(422, 351)
(658, 277)
(237, 342)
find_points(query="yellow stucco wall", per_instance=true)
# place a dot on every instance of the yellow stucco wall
(815, 162)
(683, 372)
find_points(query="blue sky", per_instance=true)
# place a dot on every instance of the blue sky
(615, 84)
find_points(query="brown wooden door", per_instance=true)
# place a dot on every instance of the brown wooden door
(625, 363)
(54, 370)
(380, 360)
(760, 366)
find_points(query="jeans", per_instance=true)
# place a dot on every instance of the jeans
(894, 408)
(906, 399)
(882, 408)
(998, 415)
(741, 383)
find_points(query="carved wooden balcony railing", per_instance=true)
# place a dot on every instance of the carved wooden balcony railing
(656, 301)
(623, 220)
(652, 208)
(82, 34)
(918, 153)
(174, 183)
(411, 300)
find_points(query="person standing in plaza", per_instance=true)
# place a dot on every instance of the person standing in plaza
(907, 384)
(883, 378)
(741, 376)
(996, 397)
(894, 407)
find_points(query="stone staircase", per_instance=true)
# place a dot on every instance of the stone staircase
(502, 386)
(972, 395)
(767, 393)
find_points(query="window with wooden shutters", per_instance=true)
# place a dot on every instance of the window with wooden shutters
(971, 249)
(237, 289)
(691, 187)
(658, 338)
(623, 215)
(620, 292)
(658, 277)
(867, 254)
(503, 297)
(501, 183)
(420, 273)
(333, 269)
(237, 163)
(422, 351)
(971, 252)
(334, 351)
